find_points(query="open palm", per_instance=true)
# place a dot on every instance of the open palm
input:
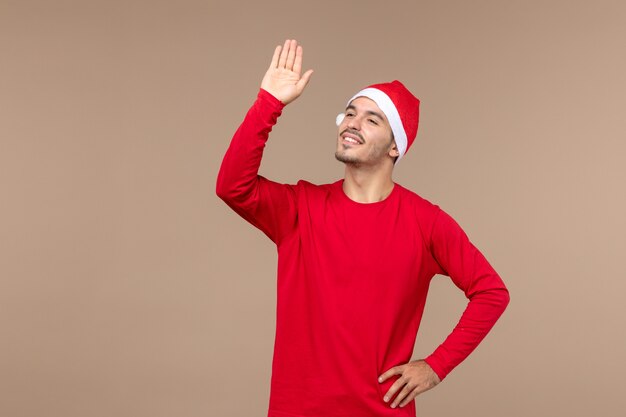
(283, 79)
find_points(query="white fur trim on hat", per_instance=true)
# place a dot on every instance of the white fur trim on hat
(386, 105)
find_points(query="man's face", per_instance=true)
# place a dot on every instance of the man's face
(364, 135)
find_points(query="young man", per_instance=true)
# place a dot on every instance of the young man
(355, 258)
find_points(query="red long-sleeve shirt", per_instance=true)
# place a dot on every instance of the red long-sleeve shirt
(352, 281)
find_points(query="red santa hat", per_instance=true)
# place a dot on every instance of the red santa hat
(401, 108)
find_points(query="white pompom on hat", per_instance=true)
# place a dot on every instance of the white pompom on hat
(401, 108)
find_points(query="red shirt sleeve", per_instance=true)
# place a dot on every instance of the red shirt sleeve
(266, 204)
(472, 273)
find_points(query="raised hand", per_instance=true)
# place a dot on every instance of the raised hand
(282, 79)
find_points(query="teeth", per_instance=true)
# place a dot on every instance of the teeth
(350, 139)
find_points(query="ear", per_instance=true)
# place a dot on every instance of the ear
(393, 152)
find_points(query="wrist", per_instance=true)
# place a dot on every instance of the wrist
(430, 361)
(270, 98)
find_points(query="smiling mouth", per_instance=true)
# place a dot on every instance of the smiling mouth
(351, 138)
(348, 139)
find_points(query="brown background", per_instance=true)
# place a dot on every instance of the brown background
(127, 288)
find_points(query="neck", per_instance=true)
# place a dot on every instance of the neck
(365, 186)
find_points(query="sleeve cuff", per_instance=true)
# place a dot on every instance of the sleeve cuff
(430, 360)
(268, 97)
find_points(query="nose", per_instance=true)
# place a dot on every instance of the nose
(353, 123)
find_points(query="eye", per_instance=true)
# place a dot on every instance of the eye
(349, 114)
(372, 121)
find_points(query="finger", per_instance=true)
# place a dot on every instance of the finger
(302, 82)
(391, 371)
(274, 62)
(283, 54)
(393, 389)
(297, 65)
(291, 55)
(401, 396)
(410, 397)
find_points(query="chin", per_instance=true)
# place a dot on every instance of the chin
(342, 157)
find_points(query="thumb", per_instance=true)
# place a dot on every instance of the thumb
(304, 80)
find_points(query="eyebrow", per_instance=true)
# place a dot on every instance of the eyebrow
(373, 113)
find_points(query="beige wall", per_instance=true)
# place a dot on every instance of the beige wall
(127, 288)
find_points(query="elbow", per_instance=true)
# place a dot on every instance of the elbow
(221, 191)
(497, 298)
(500, 299)
(226, 194)
(232, 193)
(224, 189)
(506, 299)
(499, 295)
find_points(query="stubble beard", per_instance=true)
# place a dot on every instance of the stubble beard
(342, 157)
(340, 154)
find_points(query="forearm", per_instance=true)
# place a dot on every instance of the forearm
(482, 312)
(238, 175)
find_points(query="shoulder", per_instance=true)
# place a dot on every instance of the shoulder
(425, 212)
(435, 222)
(422, 206)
